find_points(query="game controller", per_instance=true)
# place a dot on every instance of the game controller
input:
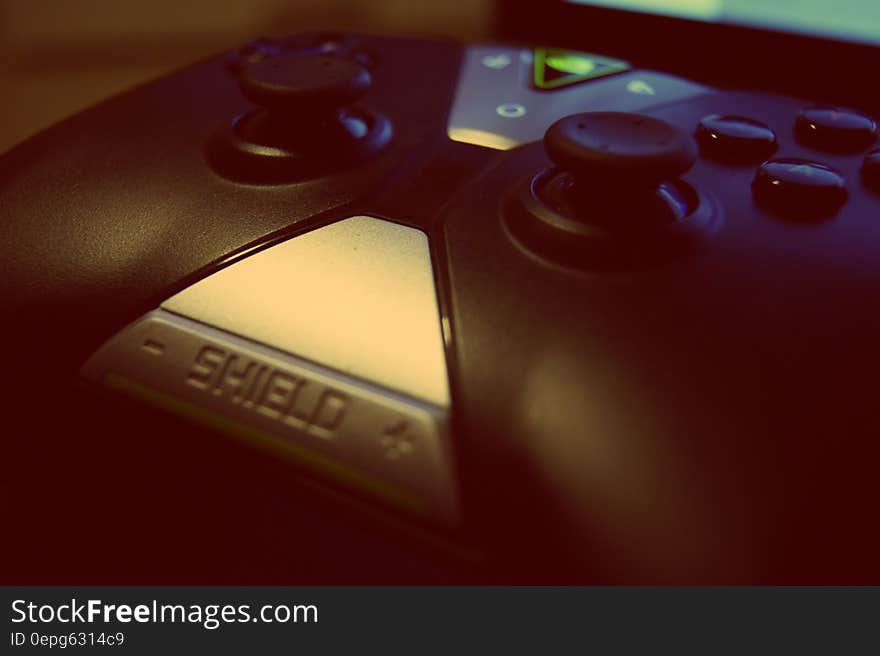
(570, 319)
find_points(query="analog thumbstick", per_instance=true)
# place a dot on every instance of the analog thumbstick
(614, 197)
(619, 148)
(306, 122)
(304, 83)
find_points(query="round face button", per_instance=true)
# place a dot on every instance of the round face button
(871, 171)
(735, 139)
(835, 130)
(799, 189)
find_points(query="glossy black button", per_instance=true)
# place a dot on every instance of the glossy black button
(619, 148)
(835, 130)
(735, 139)
(871, 171)
(799, 189)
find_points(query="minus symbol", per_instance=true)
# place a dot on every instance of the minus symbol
(153, 347)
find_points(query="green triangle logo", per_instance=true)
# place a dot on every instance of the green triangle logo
(555, 68)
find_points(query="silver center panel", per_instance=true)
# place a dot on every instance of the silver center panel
(326, 348)
(357, 296)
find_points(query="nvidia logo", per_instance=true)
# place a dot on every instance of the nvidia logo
(555, 68)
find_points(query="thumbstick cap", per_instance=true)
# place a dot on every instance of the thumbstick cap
(619, 148)
(302, 82)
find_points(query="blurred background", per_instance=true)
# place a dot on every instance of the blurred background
(58, 57)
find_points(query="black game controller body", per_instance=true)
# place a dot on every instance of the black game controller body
(548, 316)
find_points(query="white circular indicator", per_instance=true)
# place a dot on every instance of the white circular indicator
(510, 110)
(496, 62)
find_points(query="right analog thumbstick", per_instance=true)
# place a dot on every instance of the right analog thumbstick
(620, 149)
